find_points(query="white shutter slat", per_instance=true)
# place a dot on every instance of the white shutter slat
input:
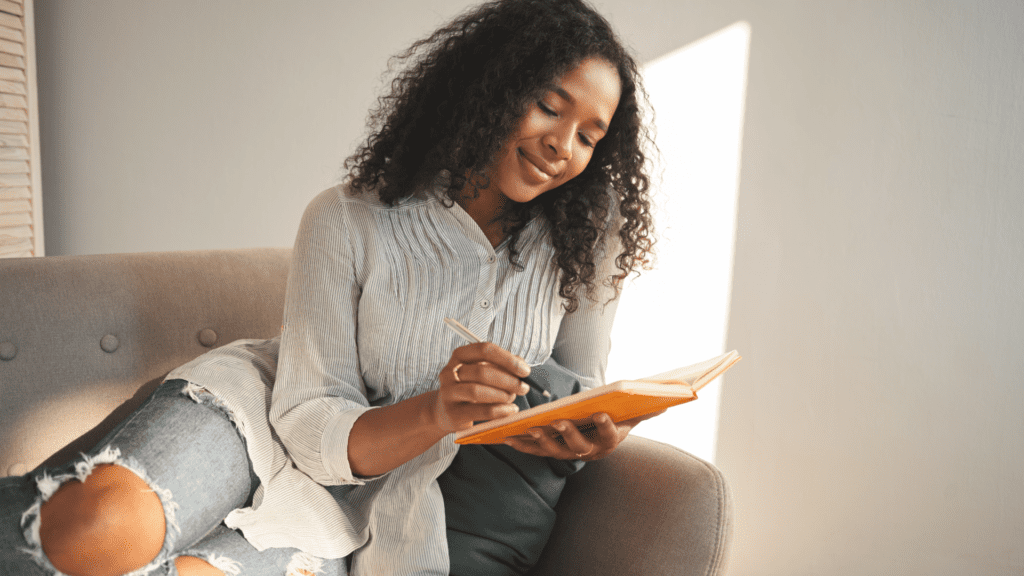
(13, 74)
(16, 48)
(8, 180)
(10, 59)
(12, 101)
(12, 34)
(15, 192)
(15, 206)
(11, 21)
(13, 167)
(13, 153)
(13, 87)
(14, 247)
(17, 140)
(13, 114)
(21, 254)
(12, 7)
(17, 231)
(16, 219)
(21, 223)
(11, 127)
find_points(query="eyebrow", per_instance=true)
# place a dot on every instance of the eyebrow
(568, 98)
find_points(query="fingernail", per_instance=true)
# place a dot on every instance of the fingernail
(524, 388)
(561, 427)
(523, 366)
(534, 433)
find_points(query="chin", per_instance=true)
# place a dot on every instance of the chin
(524, 196)
(520, 192)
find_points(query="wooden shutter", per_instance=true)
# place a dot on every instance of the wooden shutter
(21, 209)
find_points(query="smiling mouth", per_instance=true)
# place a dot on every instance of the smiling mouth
(542, 170)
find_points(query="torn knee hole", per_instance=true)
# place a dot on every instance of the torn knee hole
(105, 514)
(303, 564)
(213, 565)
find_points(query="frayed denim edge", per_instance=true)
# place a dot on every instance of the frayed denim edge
(201, 395)
(222, 563)
(303, 561)
(48, 485)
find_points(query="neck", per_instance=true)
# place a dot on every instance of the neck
(486, 209)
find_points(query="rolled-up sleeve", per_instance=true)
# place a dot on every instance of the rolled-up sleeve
(319, 393)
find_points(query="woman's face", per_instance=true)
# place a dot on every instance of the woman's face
(556, 137)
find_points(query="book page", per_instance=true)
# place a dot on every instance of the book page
(693, 373)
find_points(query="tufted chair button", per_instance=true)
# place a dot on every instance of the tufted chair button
(207, 337)
(109, 343)
(17, 469)
(8, 351)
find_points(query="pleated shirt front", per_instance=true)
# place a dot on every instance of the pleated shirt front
(368, 288)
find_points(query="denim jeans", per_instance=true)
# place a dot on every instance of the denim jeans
(184, 445)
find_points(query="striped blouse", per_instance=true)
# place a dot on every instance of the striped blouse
(368, 288)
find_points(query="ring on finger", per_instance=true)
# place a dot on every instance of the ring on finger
(455, 372)
(587, 453)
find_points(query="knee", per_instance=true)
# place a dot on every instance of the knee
(192, 566)
(110, 523)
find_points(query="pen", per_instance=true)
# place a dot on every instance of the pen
(461, 330)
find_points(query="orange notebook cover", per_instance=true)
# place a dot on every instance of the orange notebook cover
(621, 400)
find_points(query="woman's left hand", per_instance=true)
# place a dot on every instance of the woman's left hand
(563, 440)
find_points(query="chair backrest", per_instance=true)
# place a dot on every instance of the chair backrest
(83, 339)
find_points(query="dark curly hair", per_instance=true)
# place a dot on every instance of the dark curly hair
(451, 110)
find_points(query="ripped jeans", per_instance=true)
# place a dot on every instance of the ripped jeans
(185, 447)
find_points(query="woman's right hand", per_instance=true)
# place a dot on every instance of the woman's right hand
(480, 382)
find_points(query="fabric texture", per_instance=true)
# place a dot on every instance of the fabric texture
(368, 289)
(56, 311)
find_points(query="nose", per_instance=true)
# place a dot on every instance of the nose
(559, 143)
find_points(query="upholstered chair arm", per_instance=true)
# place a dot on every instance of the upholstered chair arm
(649, 508)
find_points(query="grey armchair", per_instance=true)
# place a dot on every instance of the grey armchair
(84, 339)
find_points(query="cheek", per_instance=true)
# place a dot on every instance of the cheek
(579, 163)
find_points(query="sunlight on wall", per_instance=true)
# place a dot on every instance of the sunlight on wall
(677, 313)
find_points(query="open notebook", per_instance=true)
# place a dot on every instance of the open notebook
(621, 400)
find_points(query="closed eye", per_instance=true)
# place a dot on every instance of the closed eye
(545, 109)
(586, 141)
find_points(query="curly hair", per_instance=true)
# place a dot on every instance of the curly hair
(463, 95)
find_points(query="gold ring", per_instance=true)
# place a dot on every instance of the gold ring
(455, 372)
(587, 453)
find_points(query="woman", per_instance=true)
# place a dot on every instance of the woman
(502, 185)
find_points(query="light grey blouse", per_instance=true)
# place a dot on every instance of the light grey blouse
(368, 288)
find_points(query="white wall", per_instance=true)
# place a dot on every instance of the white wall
(195, 124)
(874, 425)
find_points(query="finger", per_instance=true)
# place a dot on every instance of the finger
(607, 432)
(490, 375)
(525, 446)
(469, 413)
(574, 440)
(546, 440)
(475, 393)
(493, 354)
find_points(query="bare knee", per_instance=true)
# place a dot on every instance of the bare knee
(192, 566)
(111, 523)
